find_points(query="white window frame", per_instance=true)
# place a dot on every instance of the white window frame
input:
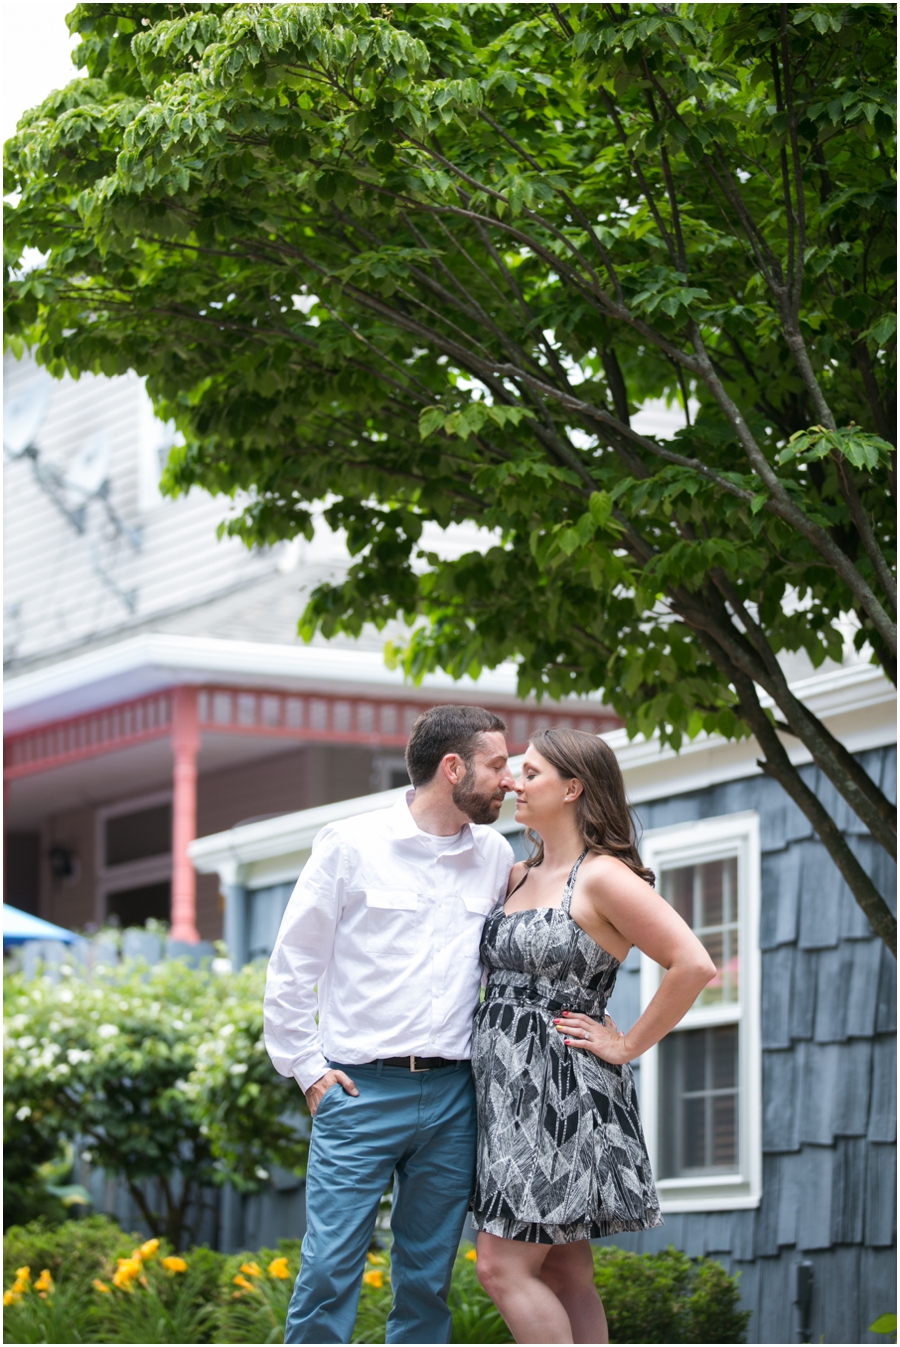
(693, 844)
(131, 874)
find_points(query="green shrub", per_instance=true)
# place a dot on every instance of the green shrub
(75, 1251)
(668, 1297)
(243, 1298)
(146, 1094)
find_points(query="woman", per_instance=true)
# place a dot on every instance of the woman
(561, 1155)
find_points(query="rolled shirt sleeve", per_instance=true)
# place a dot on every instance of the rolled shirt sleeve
(302, 952)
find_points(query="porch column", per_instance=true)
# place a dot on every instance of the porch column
(185, 746)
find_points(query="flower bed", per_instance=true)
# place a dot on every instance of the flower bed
(87, 1281)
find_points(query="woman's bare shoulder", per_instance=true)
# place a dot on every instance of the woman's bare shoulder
(516, 875)
(607, 875)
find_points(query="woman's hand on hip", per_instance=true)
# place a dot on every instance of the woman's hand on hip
(605, 1040)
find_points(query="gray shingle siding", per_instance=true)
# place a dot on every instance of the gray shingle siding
(829, 1073)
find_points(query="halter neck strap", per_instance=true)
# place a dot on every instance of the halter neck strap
(570, 882)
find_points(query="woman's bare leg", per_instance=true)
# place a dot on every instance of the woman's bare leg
(569, 1272)
(510, 1272)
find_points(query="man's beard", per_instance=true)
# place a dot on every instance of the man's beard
(480, 806)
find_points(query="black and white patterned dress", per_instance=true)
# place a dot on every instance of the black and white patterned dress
(561, 1154)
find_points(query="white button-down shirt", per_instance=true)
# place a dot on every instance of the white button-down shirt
(386, 923)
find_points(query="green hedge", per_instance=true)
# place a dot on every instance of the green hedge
(665, 1297)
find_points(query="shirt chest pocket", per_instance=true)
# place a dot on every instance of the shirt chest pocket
(391, 922)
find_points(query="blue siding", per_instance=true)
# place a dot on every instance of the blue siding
(829, 1075)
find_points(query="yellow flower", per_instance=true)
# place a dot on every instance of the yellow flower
(44, 1281)
(251, 1269)
(243, 1283)
(149, 1250)
(23, 1274)
(128, 1270)
(471, 1256)
(174, 1264)
(101, 1286)
(374, 1278)
(375, 1258)
(278, 1268)
(11, 1298)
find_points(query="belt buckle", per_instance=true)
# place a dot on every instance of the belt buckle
(413, 1067)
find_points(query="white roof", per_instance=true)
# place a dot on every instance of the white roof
(152, 662)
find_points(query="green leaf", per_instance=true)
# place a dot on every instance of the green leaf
(882, 331)
(601, 507)
(429, 421)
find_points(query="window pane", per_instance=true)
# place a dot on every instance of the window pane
(706, 897)
(724, 1058)
(711, 880)
(724, 1131)
(677, 886)
(694, 1134)
(698, 1131)
(693, 1055)
(132, 907)
(133, 837)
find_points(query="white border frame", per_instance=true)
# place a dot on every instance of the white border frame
(132, 874)
(689, 843)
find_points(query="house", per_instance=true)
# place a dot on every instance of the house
(770, 1111)
(154, 684)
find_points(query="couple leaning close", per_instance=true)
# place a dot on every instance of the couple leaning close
(520, 1108)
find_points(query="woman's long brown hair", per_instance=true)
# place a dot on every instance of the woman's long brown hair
(604, 818)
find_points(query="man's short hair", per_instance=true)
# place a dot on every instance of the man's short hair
(447, 729)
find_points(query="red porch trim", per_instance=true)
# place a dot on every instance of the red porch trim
(79, 737)
(305, 717)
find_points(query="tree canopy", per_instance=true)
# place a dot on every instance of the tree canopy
(425, 262)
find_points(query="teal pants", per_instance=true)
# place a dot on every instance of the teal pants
(420, 1128)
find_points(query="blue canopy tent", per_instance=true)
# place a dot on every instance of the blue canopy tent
(21, 926)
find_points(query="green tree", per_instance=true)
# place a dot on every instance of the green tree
(159, 1075)
(423, 264)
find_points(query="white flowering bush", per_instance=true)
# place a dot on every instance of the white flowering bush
(158, 1073)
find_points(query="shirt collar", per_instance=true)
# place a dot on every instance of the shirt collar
(403, 826)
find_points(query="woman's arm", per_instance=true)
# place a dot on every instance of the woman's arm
(645, 919)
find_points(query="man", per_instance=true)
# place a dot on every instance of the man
(386, 921)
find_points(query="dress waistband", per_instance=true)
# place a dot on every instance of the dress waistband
(532, 994)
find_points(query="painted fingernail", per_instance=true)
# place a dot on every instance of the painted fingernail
(565, 1012)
